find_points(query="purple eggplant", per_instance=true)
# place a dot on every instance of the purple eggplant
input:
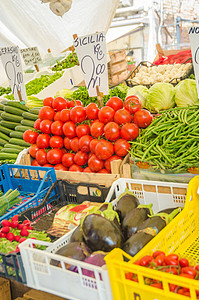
(77, 235)
(126, 202)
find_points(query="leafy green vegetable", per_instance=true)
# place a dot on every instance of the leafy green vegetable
(5, 90)
(70, 61)
(140, 91)
(186, 93)
(65, 93)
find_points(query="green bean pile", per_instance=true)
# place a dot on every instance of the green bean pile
(171, 141)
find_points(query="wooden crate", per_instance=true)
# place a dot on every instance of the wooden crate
(5, 293)
(117, 67)
(39, 295)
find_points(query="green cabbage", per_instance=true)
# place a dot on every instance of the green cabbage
(65, 93)
(161, 96)
(140, 91)
(186, 93)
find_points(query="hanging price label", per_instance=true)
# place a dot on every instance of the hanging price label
(194, 41)
(11, 60)
(91, 53)
(31, 56)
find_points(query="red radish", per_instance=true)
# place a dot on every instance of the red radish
(30, 228)
(14, 224)
(24, 232)
(25, 227)
(15, 218)
(26, 222)
(10, 236)
(22, 240)
(20, 226)
(5, 229)
(5, 223)
(17, 238)
(2, 235)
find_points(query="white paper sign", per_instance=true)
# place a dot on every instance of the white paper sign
(11, 60)
(91, 53)
(31, 56)
(194, 41)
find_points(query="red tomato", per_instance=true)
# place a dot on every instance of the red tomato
(74, 103)
(97, 129)
(145, 260)
(159, 260)
(57, 116)
(92, 111)
(121, 147)
(54, 156)
(84, 143)
(112, 131)
(157, 253)
(93, 144)
(95, 164)
(132, 104)
(81, 158)
(106, 114)
(41, 157)
(71, 104)
(60, 103)
(107, 163)
(75, 168)
(64, 150)
(183, 262)
(30, 136)
(173, 256)
(115, 102)
(33, 150)
(56, 141)
(78, 114)
(82, 129)
(87, 170)
(189, 270)
(43, 141)
(122, 116)
(157, 285)
(57, 128)
(129, 131)
(45, 126)
(37, 124)
(65, 115)
(69, 129)
(79, 103)
(35, 163)
(103, 171)
(197, 267)
(169, 261)
(74, 144)
(172, 287)
(46, 113)
(48, 165)
(187, 275)
(104, 150)
(142, 118)
(68, 159)
(60, 167)
(67, 143)
(48, 101)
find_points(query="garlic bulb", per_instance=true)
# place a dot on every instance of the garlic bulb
(60, 7)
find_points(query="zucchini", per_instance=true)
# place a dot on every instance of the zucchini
(14, 146)
(27, 123)
(5, 101)
(9, 117)
(34, 110)
(13, 110)
(29, 116)
(11, 150)
(8, 124)
(21, 128)
(16, 134)
(3, 142)
(1, 147)
(18, 105)
(1, 106)
(5, 130)
(19, 142)
(8, 156)
(4, 136)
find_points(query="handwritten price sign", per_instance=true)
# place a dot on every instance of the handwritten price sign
(91, 53)
(194, 41)
(11, 60)
(31, 56)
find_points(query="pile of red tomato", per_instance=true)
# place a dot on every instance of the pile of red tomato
(172, 264)
(71, 137)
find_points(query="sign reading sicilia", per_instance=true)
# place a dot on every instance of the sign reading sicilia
(194, 41)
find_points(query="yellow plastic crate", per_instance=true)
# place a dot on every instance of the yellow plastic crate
(181, 236)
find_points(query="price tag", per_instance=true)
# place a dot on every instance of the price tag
(11, 60)
(91, 53)
(31, 56)
(194, 41)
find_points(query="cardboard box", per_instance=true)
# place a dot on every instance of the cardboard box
(38, 295)
(5, 293)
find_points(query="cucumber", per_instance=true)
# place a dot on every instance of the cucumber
(1, 106)
(1, 147)
(16, 134)
(19, 142)
(11, 150)
(8, 156)
(27, 123)
(5, 130)
(3, 142)
(4, 101)
(34, 110)
(4, 136)
(9, 117)
(18, 105)
(21, 128)
(29, 116)
(14, 146)
(8, 124)
(13, 110)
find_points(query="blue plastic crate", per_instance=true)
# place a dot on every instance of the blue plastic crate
(30, 184)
